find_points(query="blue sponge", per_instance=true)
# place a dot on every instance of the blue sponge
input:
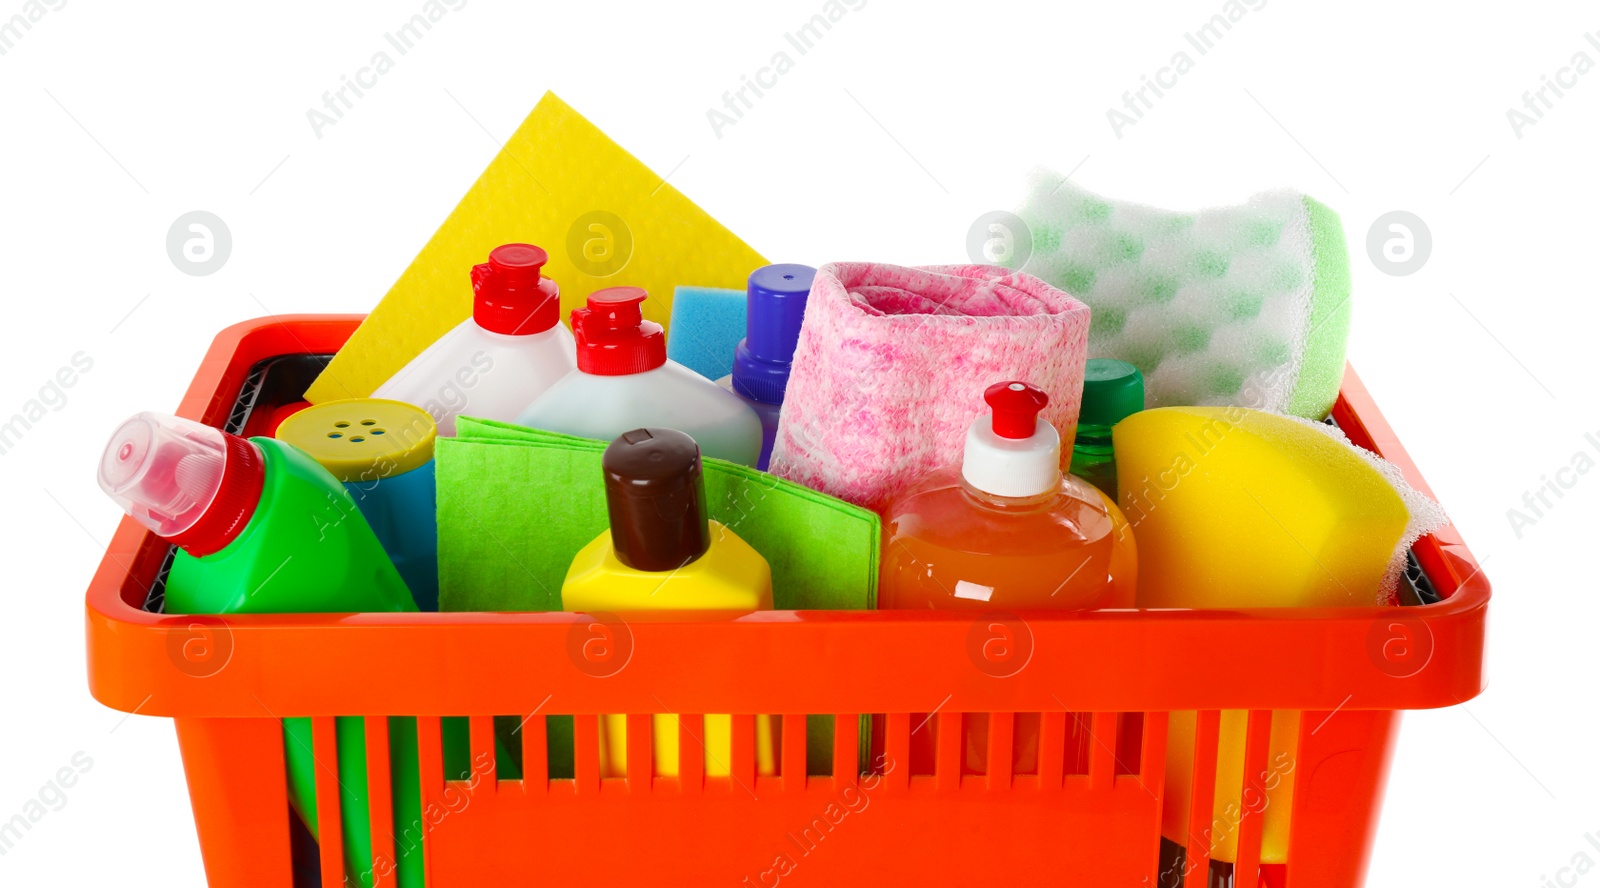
(706, 326)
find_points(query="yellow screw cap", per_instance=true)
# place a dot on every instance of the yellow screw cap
(362, 439)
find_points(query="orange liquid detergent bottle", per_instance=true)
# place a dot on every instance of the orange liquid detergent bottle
(1004, 531)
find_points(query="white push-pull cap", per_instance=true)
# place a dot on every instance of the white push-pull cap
(1010, 451)
(163, 470)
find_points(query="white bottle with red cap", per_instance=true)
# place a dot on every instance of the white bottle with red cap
(624, 381)
(495, 362)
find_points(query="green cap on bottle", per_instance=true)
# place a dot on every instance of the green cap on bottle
(1112, 391)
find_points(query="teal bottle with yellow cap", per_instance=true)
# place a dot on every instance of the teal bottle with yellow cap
(382, 451)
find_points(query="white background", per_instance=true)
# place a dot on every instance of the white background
(884, 142)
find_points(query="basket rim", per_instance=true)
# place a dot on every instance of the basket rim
(1323, 657)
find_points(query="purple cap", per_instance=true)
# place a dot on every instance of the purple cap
(777, 304)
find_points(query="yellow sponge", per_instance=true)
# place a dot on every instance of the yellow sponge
(561, 183)
(1239, 508)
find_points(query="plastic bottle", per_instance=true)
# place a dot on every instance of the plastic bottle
(1005, 531)
(262, 528)
(1112, 391)
(777, 305)
(661, 552)
(383, 453)
(493, 363)
(624, 381)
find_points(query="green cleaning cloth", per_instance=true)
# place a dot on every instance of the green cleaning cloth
(516, 504)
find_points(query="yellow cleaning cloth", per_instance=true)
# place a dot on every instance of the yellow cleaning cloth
(605, 219)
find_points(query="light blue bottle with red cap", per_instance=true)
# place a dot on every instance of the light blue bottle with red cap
(777, 305)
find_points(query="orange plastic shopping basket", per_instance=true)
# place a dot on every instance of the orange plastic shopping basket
(1077, 819)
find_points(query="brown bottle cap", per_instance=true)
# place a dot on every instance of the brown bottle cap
(656, 498)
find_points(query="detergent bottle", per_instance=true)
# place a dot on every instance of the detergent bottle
(493, 363)
(1004, 531)
(261, 528)
(624, 381)
(776, 307)
(661, 552)
(382, 451)
(1113, 390)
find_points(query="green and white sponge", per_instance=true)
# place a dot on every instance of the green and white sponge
(1246, 305)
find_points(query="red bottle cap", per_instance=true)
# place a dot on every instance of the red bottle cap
(1016, 407)
(243, 475)
(613, 337)
(509, 294)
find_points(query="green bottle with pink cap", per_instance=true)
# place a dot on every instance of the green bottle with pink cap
(261, 528)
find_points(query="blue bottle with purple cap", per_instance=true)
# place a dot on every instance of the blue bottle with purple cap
(777, 304)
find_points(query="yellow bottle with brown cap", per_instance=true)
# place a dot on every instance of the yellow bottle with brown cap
(662, 553)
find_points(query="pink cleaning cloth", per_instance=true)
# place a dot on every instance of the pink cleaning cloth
(892, 363)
